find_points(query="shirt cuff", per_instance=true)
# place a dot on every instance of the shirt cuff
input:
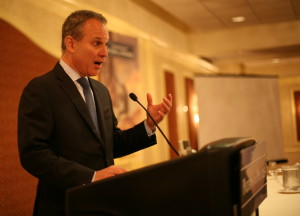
(93, 177)
(149, 131)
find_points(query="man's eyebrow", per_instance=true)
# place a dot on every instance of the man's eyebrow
(100, 38)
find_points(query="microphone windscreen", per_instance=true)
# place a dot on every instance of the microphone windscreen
(133, 97)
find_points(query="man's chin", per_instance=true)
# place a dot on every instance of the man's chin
(94, 73)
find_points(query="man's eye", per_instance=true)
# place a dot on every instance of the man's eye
(97, 43)
(107, 44)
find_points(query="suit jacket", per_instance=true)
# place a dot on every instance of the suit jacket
(58, 142)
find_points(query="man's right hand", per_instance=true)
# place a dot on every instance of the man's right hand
(108, 172)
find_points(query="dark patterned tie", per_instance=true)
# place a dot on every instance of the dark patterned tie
(89, 100)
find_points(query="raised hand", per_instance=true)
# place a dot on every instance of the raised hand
(159, 111)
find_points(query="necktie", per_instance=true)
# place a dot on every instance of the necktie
(89, 100)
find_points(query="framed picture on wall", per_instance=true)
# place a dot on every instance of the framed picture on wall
(120, 73)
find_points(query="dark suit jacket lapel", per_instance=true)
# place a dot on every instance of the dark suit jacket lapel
(72, 92)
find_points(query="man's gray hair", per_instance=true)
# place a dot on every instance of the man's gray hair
(74, 23)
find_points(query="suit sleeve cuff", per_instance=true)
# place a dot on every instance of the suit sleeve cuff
(148, 130)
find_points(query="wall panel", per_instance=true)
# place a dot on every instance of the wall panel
(20, 61)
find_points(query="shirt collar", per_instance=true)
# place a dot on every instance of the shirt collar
(70, 71)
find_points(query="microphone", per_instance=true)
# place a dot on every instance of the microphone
(134, 98)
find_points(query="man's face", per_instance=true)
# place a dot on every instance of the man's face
(90, 52)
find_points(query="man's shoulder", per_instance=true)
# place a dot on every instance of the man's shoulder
(44, 79)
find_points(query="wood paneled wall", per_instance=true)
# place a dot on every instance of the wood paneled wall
(190, 93)
(172, 117)
(20, 61)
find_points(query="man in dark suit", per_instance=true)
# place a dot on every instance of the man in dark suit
(61, 141)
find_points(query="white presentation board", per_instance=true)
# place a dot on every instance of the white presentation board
(240, 106)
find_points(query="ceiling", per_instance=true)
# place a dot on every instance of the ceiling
(207, 15)
(215, 15)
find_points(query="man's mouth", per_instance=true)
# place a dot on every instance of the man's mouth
(97, 63)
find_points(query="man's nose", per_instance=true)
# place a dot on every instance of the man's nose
(103, 52)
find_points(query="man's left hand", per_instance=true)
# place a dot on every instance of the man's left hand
(159, 111)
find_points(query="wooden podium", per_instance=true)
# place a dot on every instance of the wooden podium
(226, 177)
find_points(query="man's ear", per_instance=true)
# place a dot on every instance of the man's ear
(70, 43)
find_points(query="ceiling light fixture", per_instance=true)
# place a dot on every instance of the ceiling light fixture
(238, 19)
